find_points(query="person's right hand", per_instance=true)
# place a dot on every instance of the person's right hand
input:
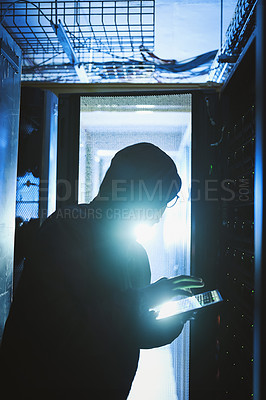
(164, 289)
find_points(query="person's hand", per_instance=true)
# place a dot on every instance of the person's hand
(182, 284)
(164, 289)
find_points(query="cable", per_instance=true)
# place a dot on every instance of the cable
(213, 123)
(220, 140)
(98, 50)
(176, 66)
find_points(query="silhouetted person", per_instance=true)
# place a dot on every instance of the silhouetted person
(81, 309)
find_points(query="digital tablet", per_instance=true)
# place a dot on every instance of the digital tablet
(188, 304)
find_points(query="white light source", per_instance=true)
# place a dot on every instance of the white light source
(175, 307)
(174, 227)
(145, 106)
(176, 230)
(167, 309)
(144, 112)
(144, 233)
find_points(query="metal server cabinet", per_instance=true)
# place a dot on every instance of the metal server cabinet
(10, 74)
(223, 236)
(236, 256)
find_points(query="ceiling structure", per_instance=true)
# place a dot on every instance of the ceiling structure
(125, 41)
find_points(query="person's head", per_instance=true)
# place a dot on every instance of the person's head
(141, 177)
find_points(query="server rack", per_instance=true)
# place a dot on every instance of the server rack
(236, 255)
(223, 234)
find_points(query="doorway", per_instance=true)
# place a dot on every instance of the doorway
(108, 124)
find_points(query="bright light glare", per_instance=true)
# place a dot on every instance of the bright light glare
(145, 106)
(155, 378)
(144, 233)
(144, 112)
(175, 225)
(167, 309)
(177, 307)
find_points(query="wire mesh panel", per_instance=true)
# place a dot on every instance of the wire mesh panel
(237, 35)
(95, 31)
(27, 201)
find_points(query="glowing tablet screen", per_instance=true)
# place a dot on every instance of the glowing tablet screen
(188, 304)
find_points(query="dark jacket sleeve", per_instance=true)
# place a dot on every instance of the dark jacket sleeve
(77, 273)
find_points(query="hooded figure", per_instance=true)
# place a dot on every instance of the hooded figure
(81, 311)
(146, 173)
